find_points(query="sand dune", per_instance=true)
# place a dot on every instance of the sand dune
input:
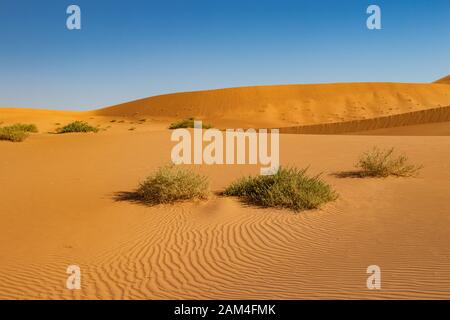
(445, 80)
(59, 208)
(352, 105)
(289, 105)
(405, 120)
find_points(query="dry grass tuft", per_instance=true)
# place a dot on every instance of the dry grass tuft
(289, 188)
(77, 126)
(17, 132)
(187, 123)
(170, 184)
(383, 163)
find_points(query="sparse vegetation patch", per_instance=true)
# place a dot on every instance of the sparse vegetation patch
(77, 126)
(383, 163)
(170, 184)
(289, 188)
(23, 127)
(17, 132)
(187, 123)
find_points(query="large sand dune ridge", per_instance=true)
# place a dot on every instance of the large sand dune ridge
(321, 108)
(444, 80)
(424, 122)
(289, 105)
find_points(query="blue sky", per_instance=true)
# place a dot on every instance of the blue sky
(138, 48)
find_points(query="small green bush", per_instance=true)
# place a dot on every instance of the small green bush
(170, 184)
(383, 163)
(77, 126)
(17, 132)
(23, 127)
(12, 135)
(187, 123)
(289, 188)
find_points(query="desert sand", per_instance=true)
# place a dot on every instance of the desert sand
(59, 201)
(289, 105)
(444, 80)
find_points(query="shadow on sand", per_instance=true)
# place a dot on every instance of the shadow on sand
(348, 174)
(131, 196)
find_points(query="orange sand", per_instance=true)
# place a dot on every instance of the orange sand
(58, 204)
(289, 105)
(445, 80)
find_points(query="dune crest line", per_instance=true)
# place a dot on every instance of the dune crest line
(435, 115)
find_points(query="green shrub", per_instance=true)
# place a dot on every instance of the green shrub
(23, 127)
(289, 188)
(12, 135)
(17, 132)
(170, 184)
(383, 163)
(187, 123)
(77, 126)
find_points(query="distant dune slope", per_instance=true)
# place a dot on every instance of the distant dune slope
(289, 105)
(429, 116)
(315, 108)
(445, 80)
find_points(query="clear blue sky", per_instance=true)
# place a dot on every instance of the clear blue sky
(138, 48)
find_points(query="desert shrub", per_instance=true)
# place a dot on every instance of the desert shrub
(23, 127)
(289, 188)
(12, 135)
(170, 184)
(187, 123)
(383, 163)
(17, 132)
(77, 126)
